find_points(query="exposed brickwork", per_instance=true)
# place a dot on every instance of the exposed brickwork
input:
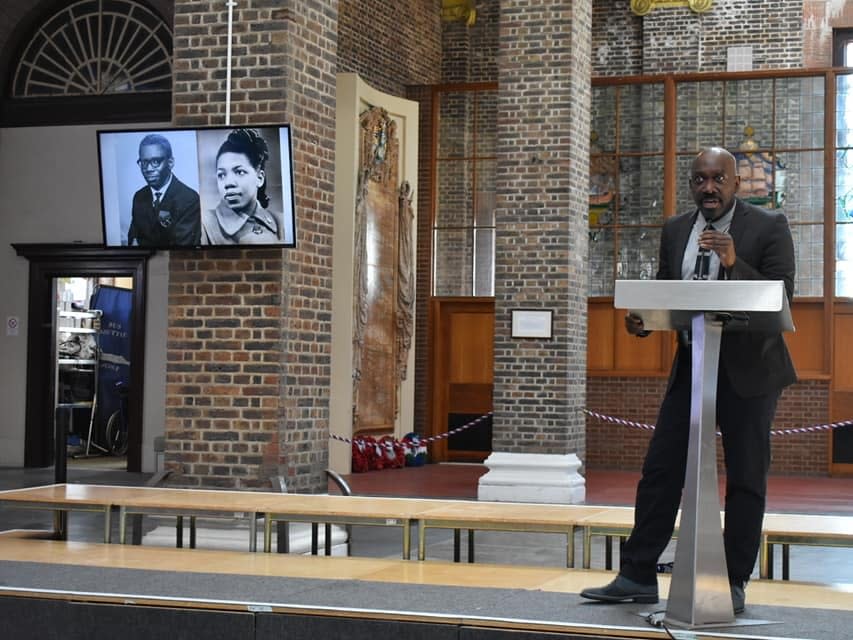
(617, 40)
(223, 377)
(611, 446)
(820, 17)
(542, 179)
(469, 54)
(270, 318)
(679, 40)
(423, 96)
(391, 45)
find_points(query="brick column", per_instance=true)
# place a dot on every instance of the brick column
(248, 354)
(541, 237)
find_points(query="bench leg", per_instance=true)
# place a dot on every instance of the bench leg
(608, 552)
(765, 559)
(421, 540)
(786, 562)
(282, 539)
(179, 532)
(456, 543)
(470, 545)
(136, 529)
(570, 548)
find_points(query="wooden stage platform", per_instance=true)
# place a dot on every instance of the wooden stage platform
(61, 589)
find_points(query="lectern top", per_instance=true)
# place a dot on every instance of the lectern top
(669, 304)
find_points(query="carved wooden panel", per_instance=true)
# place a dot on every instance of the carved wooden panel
(383, 277)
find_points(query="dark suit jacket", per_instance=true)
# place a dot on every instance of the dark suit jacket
(177, 221)
(756, 362)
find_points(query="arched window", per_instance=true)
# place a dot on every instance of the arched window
(92, 61)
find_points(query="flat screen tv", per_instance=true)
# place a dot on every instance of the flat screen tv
(181, 188)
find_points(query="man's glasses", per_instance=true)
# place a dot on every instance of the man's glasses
(150, 163)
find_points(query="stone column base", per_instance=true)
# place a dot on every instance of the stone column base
(533, 477)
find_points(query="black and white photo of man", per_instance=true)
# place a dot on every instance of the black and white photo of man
(165, 212)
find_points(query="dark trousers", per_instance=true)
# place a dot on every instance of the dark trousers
(745, 426)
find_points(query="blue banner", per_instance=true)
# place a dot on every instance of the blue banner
(116, 305)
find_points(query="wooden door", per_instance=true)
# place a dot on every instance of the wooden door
(461, 377)
(841, 402)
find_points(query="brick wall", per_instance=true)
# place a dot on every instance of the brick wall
(469, 54)
(613, 446)
(390, 45)
(423, 96)
(680, 40)
(540, 246)
(820, 17)
(617, 40)
(249, 351)
(676, 39)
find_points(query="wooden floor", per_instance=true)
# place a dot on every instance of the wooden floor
(797, 494)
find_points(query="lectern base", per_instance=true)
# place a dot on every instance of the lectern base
(659, 619)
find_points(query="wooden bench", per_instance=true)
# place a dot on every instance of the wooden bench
(62, 498)
(778, 528)
(502, 516)
(800, 529)
(198, 503)
(271, 507)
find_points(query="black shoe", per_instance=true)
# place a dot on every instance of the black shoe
(738, 597)
(623, 590)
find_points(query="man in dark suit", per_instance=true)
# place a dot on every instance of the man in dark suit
(166, 212)
(724, 238)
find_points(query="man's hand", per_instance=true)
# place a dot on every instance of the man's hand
(634, 325)
(721, 244)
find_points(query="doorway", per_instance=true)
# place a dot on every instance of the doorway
(48, 263)
(461, 378)
(92, 366)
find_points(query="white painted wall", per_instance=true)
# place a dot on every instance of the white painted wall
(49, 192)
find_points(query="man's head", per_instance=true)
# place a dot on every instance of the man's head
(714, 181)
(155, 160)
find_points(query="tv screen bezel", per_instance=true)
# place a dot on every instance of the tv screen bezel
(116, 198)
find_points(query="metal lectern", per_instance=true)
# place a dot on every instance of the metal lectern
(699, 593)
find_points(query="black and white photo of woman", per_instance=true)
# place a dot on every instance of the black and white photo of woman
(242, 214)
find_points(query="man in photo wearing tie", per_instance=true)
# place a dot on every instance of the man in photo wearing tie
(724, 238)
(166, 212)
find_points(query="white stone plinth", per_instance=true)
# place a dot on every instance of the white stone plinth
(533, 477)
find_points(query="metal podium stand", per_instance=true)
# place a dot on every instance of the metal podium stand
(699, 593)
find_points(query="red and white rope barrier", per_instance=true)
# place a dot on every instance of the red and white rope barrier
(774, 432)
(440, 436)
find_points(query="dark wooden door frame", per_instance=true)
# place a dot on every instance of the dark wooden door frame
(49, 261)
